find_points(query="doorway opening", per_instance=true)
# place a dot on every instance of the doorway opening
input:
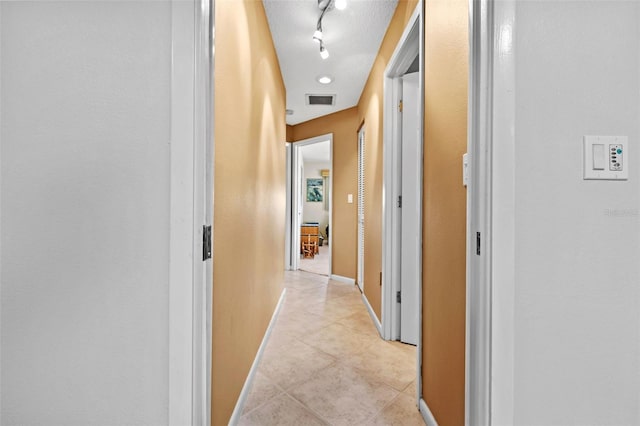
(309, 205)
(402, 211)
(402, 189)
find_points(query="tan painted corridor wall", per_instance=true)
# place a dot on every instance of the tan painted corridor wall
(444, 209)
(444, 197)
(249, 203)
(344, 126)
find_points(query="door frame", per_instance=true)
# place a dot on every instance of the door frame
(360, 225)
(191, 207)
(410, 215)
(490, 293)
(289, 261)
(410, 44)
(292, 176)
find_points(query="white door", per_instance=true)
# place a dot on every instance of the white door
(288, 238)
(360, 272)
(297, 202)
(410, 212)
(97, 208)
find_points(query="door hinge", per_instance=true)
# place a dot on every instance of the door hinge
(478, 242)
(398, 297)
(206, 242)
(400, 105)
(399, 201)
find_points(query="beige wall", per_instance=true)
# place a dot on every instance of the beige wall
(444, 231)
(344, 126)
(249, 204)
(370, 108)
(289, 133)
(313, 211)
(444, 225)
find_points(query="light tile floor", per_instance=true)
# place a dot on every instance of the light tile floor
(319, 264)
(326, 364)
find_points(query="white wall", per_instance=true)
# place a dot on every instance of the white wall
(575, 293)
(314, 211)
(84, 147)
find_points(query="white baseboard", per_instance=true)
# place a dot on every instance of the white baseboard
(427, 415)
(343, 279)
(372, 314)
(237, 411)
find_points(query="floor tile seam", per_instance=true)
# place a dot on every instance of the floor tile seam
(367, 375)
(334, 318)
(312, 376)
(358, 330)
(319, 347)
(314, 347)
(381, 410)
(315, 273)
(324, 352)
(322, 418)
(307, 408)
(327, 296)
(306, 273)
(264, 402)
(412, 383)
(366, 346)
(363, 377)
(365, 372)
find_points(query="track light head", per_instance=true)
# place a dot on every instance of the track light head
(324, 53)
(340, 4)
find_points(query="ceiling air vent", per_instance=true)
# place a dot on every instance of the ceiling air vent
(321, 99)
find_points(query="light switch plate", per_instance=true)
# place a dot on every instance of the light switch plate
(605, 158)
(465, 169)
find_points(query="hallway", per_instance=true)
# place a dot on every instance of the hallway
(326, 364)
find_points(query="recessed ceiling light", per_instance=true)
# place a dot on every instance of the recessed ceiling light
(324, 79)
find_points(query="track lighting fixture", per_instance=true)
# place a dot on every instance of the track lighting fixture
(325, 6)
(317, 36)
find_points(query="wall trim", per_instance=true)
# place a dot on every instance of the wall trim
(246, 388)
(342, 279)
(427, 415)
(372, 314)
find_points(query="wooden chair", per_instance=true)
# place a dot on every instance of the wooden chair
(309, 246)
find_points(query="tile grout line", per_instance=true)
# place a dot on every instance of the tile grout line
(348, 323)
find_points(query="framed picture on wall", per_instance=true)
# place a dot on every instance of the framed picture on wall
(314, 190)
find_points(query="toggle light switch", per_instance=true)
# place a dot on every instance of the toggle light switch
(350, 198)
(598, 156)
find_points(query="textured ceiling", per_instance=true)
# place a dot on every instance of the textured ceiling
(316, 152)
(352, 36)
